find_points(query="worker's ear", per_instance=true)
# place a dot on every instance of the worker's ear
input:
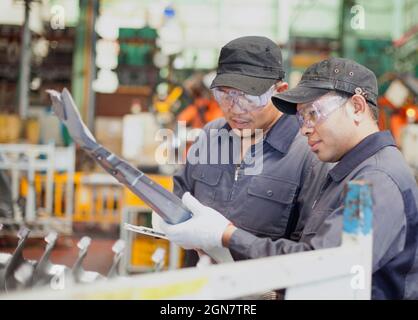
(357, 108)
(282, 86)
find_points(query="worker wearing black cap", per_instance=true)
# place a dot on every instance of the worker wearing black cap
(335, 103)
(268, 198)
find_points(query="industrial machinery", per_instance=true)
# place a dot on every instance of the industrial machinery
(304, 275)
(79, 275)
(45, 271)
(6, 202)
(119, 249)
(410, 146)
(27, 179)
(18, 273)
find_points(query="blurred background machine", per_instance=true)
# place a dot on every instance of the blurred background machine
(203, 108)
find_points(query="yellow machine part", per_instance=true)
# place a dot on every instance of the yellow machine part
(165, 106)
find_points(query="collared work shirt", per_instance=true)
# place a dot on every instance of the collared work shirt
(376, 160)
(273, 202)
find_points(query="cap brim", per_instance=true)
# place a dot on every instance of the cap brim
(286, 101)
(250, 85)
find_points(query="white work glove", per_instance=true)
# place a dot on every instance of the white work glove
(203, 230)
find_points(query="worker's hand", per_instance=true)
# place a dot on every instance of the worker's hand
(203, 231)
(66, 110)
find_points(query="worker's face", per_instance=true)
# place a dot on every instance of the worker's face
(244, 121)
(328, 127)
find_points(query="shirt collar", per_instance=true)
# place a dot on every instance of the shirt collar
(362, 151)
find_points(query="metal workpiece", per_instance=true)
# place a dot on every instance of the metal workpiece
(31, 206)
(358, 207)
(45, 271)
(165, 203)
(79, 275)
(158, 258)
(17, 271)
(119, 249)
(304, 275)
(72, 119)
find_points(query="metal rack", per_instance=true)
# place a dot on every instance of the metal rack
(337, 273)
(23, 162)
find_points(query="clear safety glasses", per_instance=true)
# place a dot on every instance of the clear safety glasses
(245, 102)
(318, 111)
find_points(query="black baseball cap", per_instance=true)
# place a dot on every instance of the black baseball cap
(334, 74)
(250, 64)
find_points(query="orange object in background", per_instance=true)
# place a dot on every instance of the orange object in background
(394, 119)
(200, 112)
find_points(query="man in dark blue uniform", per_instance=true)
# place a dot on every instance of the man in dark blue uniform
(267, 186)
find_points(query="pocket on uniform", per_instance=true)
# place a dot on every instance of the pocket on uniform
(269, 205)
(206, 182)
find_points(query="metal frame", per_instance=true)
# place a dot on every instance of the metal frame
(24, 159)
(321, 274)
(337, 273)
(126, 267)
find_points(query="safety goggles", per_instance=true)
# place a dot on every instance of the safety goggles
(312, 114)
(245, 102)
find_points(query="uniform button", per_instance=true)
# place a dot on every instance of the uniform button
(269, 193)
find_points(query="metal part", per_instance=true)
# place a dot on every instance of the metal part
(45, 271)
(144, 230)
(119, 249)
(409, 146)
(80, 275)
(165, 203)
(25, 58)
(318, 274)
(84, 67)
(158, 258)
(6, 201)
(17, 271)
